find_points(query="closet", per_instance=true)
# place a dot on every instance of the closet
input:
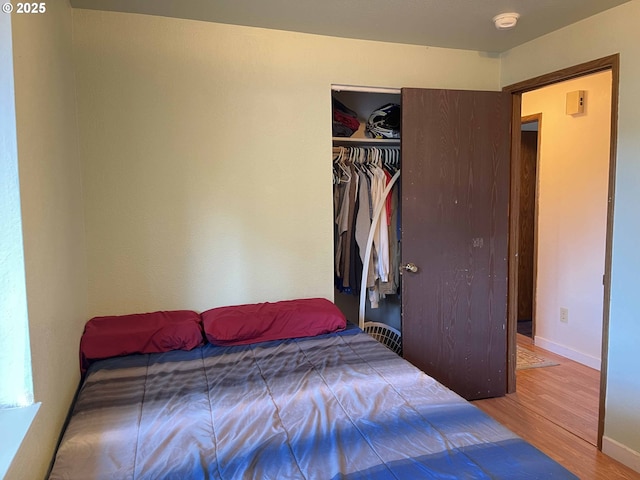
(365, 165)
(453, 197)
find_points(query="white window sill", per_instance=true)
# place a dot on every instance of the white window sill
(14, 423)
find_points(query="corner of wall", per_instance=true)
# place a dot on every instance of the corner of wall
(619, 452)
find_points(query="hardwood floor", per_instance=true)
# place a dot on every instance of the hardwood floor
(556, 410)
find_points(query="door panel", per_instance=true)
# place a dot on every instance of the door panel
(455, 186)
(527, 222)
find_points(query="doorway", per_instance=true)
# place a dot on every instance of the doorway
(518, 90)
(529, 148)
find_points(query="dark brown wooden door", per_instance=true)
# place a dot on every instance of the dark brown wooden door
(527, 223)
(455, 187)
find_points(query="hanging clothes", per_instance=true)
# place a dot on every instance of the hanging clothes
(361, 175)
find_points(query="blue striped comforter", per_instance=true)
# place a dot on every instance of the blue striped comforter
(337, 406)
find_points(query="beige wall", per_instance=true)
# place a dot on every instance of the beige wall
(206, 175)
(205, 163)
(206, 151)
(573, 176)
(613, 31)
(53, 230)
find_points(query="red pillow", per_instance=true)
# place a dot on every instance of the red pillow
(155, 332)
(261, 322)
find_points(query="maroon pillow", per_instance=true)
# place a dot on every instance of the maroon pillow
(155, 332)
(260, 322)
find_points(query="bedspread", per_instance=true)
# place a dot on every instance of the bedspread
(327, 407)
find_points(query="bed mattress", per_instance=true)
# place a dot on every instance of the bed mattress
(338, 406)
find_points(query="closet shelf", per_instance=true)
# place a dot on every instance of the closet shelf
(365, 141)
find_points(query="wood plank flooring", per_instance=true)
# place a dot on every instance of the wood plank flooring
(556, 410)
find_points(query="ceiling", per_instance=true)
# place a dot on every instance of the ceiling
(464, 24)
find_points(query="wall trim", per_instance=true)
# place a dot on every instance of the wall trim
(567, 352)
(621, 453)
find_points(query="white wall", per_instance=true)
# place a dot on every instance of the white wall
(206, 151)
(53, 229)
(613, 31)
(573, 181)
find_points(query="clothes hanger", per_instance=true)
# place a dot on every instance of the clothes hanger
(362, 158)
(334, 170)
(378, 157)
(345, 175)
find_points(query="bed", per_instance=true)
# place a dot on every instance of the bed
(333, 405)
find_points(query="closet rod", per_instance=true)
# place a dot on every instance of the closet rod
(379, 147)
(367, 252)
(356, 88)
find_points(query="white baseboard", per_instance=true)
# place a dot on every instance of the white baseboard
(623, 454)
(567, 352)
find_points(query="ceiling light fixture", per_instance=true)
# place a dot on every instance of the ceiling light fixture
(505, 21)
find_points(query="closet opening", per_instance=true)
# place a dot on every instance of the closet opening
(366, 220)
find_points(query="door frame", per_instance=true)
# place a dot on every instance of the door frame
(536, 117)
(611, 62)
